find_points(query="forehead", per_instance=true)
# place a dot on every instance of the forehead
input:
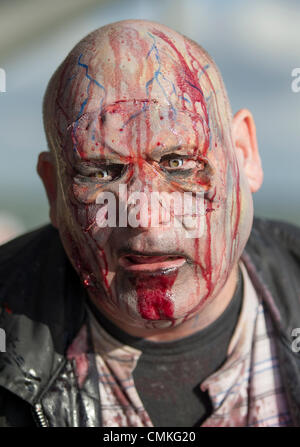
(128, 63)
(129, 128)
(128, 87)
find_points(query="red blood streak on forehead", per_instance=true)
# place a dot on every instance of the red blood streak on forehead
(154, 296)
(188, 81)
(123, 121)
(123, 105)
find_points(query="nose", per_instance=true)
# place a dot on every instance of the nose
(139, 195)
(147, 200)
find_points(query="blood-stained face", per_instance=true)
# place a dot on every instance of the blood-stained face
(136, 110)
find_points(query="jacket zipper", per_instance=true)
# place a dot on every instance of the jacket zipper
(37, 409)
(39, 416)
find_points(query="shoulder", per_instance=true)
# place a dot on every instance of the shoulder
(271, 236)
(29, 244)
(32, 269)
(25, 263)
(41, 297)
(274, 250)
(283, 233)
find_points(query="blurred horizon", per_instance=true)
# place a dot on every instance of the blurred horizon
(256, 45)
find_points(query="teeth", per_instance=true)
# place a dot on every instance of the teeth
(139, 263)
(150, 259)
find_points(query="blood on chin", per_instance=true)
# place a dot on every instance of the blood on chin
(150, 311)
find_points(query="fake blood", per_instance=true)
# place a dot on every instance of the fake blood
(154, 293)
(154, 296)
(7, 309)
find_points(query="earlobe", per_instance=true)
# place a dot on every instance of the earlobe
(47, 172)
(244, 139)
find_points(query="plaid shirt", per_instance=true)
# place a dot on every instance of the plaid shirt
(245, 391)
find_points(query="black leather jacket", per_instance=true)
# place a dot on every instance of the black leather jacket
(42, 309)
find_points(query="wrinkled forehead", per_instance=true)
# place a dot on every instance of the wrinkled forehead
(129, 128)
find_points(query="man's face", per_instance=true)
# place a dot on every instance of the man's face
(143, 118)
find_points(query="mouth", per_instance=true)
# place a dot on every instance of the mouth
(149, 263)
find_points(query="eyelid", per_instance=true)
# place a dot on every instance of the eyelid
(174, 155)
(187, 157)
(95, 166)
(95, 163)
(114, 172)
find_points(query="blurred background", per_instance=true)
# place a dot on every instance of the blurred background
(255, 43)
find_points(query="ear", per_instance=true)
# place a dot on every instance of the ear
(245, 142)
(47, 171)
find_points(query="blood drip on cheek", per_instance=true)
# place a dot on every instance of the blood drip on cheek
(154, 296)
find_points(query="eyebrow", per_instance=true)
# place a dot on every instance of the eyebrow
(105, 153)
(161, 151)
(111, 155)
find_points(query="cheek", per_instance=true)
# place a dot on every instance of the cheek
(81, 211)
(80, 222)
(89, 222)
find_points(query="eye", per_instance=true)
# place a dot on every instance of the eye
(108, 173)
(100, 173)
(175, 162)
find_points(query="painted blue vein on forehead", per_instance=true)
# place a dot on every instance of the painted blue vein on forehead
(158, 73)
(91, 81)
(147, 104)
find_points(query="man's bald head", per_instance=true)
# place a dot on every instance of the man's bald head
(138, 61)
(138, 108)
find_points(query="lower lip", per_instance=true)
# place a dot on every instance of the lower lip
(152, 265)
